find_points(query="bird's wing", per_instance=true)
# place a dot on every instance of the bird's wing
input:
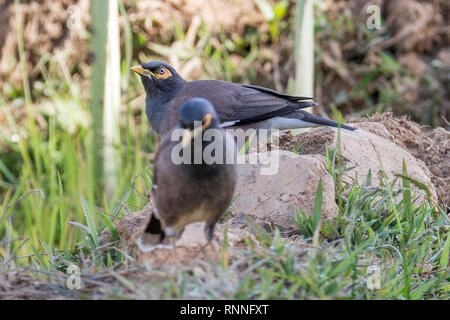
(278, 94)
(236, 103)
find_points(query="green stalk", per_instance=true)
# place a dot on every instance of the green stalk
(111, 107)
(28, 168)
(128, 40)
(99, 18)
(22, 58)
(303, 85)
(304, 48)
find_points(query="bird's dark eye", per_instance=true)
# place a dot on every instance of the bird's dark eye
(160, 70)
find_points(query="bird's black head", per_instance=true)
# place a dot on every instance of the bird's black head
(159, 78)
(198, 110)
(197, 115)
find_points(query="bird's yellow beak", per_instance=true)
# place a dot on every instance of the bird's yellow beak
(207, 120)
(139, 70)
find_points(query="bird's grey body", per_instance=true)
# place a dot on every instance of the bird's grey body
(194, 175)
(198, 192)
(237, 104)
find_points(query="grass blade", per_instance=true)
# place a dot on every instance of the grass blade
(318, 205)
(90, 222)
(443, 262)
(111, 227)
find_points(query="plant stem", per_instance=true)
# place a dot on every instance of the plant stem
(99, 18)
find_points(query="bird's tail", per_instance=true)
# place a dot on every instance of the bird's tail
(309, 117)
(310, 103)
(153, 236)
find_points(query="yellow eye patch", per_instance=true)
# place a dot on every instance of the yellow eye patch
(162, 73)
(207, 120)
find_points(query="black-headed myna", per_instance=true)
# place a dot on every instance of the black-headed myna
(235, 104)
(188, 188)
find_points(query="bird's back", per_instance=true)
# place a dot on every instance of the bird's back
(190, 190)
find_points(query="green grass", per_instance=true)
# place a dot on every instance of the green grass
(49, 170)
(56, 165)
(47, 177)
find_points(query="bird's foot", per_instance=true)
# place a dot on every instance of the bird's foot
(145, 247)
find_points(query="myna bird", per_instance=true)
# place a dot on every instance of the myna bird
(197, 189)
(235, 104)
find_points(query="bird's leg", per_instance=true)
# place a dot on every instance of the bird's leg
(209, 233)
(203, 251)
(172, 243)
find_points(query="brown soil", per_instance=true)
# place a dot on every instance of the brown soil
(306, 142)
(46, 28)
(45, 31)
(419, 32)
(26, 284)
(417, 26)
(19, 285)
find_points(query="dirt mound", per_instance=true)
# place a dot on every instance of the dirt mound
(432, 147)
(306, 143)
(191, 246)
(271, 198)
(272, 191)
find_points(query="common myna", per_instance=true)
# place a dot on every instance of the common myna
(235, 104)
(189, 189)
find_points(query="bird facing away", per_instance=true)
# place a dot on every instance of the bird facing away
(191, 191)
(236, 104)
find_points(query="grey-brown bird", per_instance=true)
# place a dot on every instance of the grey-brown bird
(194, 174)
(236, 104)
